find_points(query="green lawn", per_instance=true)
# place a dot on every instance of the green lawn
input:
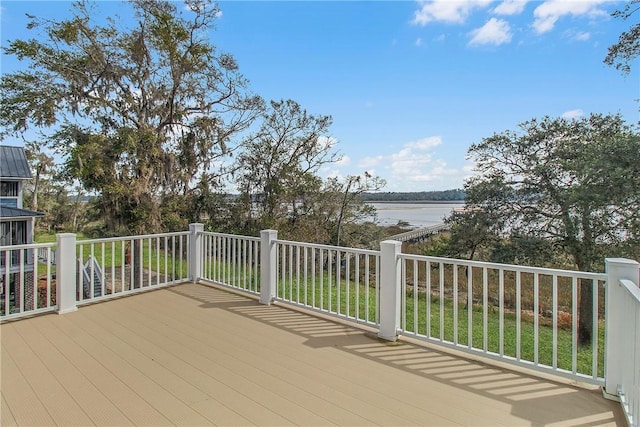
(113, 255)
(357, 300)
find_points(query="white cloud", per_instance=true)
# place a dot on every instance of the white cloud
(572, 114)
(344, 161)
(495, 32)
(331, 173)
(369, 162)
(450, 11)
(582, 36)
(418, 42)
(510, 7)
(549, 12)
(413, 166)
(327, 141)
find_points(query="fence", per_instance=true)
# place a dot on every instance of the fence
(231, 260)
(338, 281)
(116, 266)
(25, 285)
(520, 315)
(87, 271)
(524, 316)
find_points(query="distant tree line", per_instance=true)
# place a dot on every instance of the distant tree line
(436, 196)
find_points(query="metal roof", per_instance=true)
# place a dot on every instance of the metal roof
(6, 212)
(13, 163)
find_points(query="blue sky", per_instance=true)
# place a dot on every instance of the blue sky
(411, 85)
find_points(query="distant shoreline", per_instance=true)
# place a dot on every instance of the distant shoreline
(417, 202)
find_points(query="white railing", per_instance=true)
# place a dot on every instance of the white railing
(622, 374)
(46, 256)
(520, 315)
(112, 267)
(231, 260)
(26, 286)
(87, 271)
(338, 281)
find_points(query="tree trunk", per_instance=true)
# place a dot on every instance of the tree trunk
(36, 184)
(585, 316)
(586, 260)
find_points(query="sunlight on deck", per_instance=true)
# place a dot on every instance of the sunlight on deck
(198, 355)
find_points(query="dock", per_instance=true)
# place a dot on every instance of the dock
(420, 234)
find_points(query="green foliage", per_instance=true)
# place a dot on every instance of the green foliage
(573, 183)
(276, 173)
(279, 161)
(570, 187)
(622, 53)
(141, 113)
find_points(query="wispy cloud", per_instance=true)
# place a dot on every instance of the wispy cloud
(450, 11)
(414, 167)
(495, 32)
(549, 12)
(510, 7)
(418, 41)
(572, 114)
(581, 36)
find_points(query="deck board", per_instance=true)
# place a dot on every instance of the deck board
(198, 355)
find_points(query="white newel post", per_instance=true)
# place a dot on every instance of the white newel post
(389, 289)
(616, 319)
(66, 274)
(195, 251)
(268, 265)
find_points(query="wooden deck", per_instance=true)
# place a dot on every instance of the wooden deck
(197, 355)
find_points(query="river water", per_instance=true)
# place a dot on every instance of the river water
(418, 215)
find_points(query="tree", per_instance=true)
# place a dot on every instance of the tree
(346, 207)
(622, 53)
(470, 236)
(574, 183)
(141, 113)
(42, 166)
(276, 169)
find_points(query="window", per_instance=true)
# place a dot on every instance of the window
(9, 194)
(9, 189)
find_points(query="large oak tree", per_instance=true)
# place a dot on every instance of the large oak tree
(141, 112)
(573, 183)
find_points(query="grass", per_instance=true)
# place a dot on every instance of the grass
(353, 297)
(114, 254)
(348, 298)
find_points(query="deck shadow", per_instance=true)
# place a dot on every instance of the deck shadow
(540, 400)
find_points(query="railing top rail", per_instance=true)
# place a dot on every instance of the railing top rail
(123, 238)
(27, 246)
(524, 269)
(334, 248)
(234, 236)
(632, 288)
